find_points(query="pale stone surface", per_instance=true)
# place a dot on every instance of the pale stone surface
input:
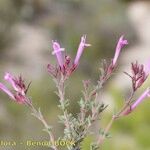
(28, 55)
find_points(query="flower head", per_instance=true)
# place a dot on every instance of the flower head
(17, 84)
(19, 87)
(81, 47)
(138, 76)
(66, 65)
(120, 45)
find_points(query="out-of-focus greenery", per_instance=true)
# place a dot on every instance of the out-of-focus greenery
(66, 20)
(131, 130)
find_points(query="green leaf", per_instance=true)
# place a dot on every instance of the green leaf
(81, 103)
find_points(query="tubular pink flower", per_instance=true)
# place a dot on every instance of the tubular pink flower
(81, 47)
(120, 45)
(19, 87)
(8, 77)
(4, 89)
(17, 84)
(140, 99)
(58, 52)
(145, 94)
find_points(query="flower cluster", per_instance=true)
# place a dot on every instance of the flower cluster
(77, 128)
(20, 90)
(139, 75)
(65, 65)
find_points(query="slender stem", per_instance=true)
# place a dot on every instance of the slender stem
(88, 97)
(61, 94)
(125, 106)
(83, 109)
(39, 116)
(101, 138)
(114, 117)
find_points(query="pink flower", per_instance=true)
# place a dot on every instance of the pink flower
(58, 52)
(140, 99)
(145, 94)
(82, 45)
(120, 45)
(5, 89)
(66, 65)
(19, 87)
(108, 69)
(17, 84)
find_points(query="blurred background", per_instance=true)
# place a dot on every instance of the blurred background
(27, 28)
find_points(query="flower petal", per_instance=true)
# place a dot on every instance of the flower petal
(81, 47)
(5, 89)
(58, 52)
(11, 79)
(141, 98)
(120, 45)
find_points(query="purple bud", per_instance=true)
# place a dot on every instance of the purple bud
(138, 75)
(52, 70)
